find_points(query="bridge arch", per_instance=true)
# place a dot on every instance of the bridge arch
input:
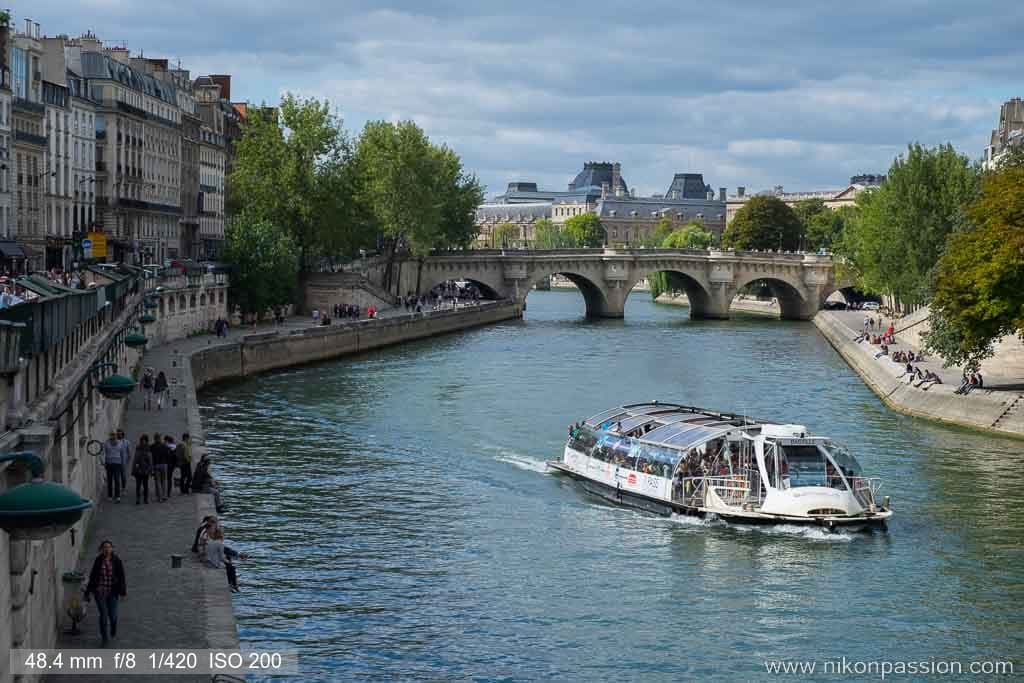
(698, 293)
(593, 294)
(794, 303)
(487, 291)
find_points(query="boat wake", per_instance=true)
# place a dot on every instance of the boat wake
(522, 462)
(797, 531)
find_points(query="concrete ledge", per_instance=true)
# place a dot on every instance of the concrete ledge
(982, 410)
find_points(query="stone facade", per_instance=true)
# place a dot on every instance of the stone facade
(833, 199)
(1009, 133)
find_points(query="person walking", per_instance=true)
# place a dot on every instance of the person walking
(184, 453)
(148, 382)
(126, 457)
(172, 462)
(107, 583)
(159, 453)
(114, 466)
(160, 388)
(142, 468)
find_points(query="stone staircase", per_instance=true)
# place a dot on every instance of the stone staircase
(1014, 411)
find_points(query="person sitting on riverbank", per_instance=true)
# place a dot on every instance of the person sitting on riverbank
(219, 556)
(883, 352)
(970, 382)
(203, 482)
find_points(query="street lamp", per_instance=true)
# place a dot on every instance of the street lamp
(39, 509)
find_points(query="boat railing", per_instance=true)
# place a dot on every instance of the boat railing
(865, 490)
(732, 489)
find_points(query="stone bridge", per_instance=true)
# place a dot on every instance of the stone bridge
(711, 278)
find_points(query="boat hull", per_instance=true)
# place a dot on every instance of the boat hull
(626, 498)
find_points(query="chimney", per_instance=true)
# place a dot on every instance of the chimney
(28, 27)
(224, 81)
(710, 196)
(675, 194)
(616, 176)
(721, 194)
(38, 32)
(740, 191)
(604, 190)
(632, 193)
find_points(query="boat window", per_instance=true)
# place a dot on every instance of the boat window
(843, 459)
(582, 440)
(614, 449)
(657, 461)
(804, 466)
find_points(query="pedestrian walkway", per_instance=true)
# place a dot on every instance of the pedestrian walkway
(187, 607)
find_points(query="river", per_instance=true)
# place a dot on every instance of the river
(402, 526)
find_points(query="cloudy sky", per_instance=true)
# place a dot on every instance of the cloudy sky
(799, 94)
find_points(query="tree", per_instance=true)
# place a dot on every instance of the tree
(264, 261)
(900, 229)
(690, 236)
(546, 235)
(417, 194)
(291, 169)
(584, 230)
(979, 281)
(662, 229)
(764, 222)
(505, 235)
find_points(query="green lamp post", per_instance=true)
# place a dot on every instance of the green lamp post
(151, 302)
(147, 318)
(39, 509)
(114, 387)
(136, 340)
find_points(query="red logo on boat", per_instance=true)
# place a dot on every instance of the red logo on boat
(632, 478)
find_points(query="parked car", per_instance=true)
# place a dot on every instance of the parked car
(870, 306)
(835, 305)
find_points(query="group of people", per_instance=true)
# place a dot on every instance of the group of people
(919, 377)
(156, 459)
(971, 380)
(342, 312)
(213, 552)
(153, 384)
(220, 327)
(347, 312)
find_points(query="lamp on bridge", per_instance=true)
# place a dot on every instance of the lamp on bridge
(39, 509)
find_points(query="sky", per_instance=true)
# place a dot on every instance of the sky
(759, 94)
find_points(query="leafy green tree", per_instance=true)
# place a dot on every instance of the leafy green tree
(417, 194)
(265, 264)
(690, 236)
(900, 229)
(546, 235)
(291, 169)
(585, 230)
(764, 222)
(505, 235)
(662, 229)
(979, 281)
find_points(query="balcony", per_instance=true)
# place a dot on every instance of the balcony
(23, 105)
(30, 138)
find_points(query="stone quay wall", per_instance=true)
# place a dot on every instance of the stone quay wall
(984, 410)
(273, 350)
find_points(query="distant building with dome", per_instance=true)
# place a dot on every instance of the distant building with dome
(599, 188)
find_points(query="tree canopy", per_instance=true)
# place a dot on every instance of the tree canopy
(979, 281)
(505, 235)
(291, 170)
(764, 222)
(584, 230)
(265, 264)
(900, 229)
(690, 236)
(546, 235)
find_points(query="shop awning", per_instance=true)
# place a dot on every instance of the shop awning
(11, 250)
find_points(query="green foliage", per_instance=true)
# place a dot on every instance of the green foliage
(265, 263)
(291, 169)
(505, 235)
(662, 229)
(415, 192)
(1013, 158)
(764, 222)
(546, 235)
(584, 230)
(900, 229)
(690, 236)
(979, 283)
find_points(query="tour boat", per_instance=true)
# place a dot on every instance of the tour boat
(669, 458)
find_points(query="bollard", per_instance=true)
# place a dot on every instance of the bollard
(175, 561)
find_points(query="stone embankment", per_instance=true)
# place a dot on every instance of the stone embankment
(768, 309)
(999, 411)
(275, 349)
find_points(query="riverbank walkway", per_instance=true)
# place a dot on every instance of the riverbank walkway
(169, 608)
(854, 322)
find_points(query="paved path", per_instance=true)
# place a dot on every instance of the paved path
(189, 607)
(854, 322)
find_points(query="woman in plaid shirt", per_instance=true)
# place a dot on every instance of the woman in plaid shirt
(106, 582)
